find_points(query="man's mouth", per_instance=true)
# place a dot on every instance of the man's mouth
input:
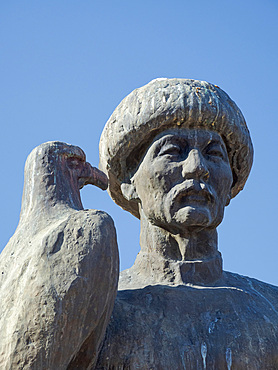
(192, 193)
(200, 197)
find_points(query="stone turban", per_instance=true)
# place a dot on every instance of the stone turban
(166, 103)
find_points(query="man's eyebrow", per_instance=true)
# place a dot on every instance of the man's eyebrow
(170, 137)
(215, 141)
(164, 139)
(175, 138)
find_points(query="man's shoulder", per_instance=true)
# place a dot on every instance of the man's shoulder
(259, 288)
(237, 287)
(237, 279)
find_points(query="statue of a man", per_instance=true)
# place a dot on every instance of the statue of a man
(175, 152)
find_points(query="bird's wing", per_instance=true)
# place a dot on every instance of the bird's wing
(60, 295)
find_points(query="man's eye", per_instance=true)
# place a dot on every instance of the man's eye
(173, 150)
(215, 153)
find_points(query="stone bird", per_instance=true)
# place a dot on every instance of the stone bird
(54, 302)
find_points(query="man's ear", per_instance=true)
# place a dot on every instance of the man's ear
(129, 191)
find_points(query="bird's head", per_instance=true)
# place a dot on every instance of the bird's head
(54, 173)
(74, 159)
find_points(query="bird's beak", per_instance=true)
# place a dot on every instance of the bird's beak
(92, 175)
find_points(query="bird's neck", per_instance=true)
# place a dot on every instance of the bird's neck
(48, 195)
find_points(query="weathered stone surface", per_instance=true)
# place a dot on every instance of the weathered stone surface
(180, 150)
(176, 151)
(171, 103)
(59, 271)
(232, 324)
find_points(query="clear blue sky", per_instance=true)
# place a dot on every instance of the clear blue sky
(65, 66)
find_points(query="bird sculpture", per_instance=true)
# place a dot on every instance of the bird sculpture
(54, 303)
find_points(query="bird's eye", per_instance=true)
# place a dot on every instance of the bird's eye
(73, 162)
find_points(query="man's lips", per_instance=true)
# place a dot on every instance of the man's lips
(192, 191)
(194, 197)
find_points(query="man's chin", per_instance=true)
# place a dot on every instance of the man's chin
(193, 217)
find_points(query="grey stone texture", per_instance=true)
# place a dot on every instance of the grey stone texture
(169, 103)
(231, 324)
(178, 151)
(175, 152)
(59, 271)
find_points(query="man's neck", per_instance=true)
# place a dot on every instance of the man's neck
(174, 259)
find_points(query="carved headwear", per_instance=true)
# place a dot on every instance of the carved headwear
(166, 103)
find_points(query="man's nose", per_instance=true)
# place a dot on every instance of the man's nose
(194, 166)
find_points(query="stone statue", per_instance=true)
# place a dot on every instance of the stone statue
(175, 152)
(59, 271)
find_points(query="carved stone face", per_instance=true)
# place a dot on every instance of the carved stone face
(184, 180)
